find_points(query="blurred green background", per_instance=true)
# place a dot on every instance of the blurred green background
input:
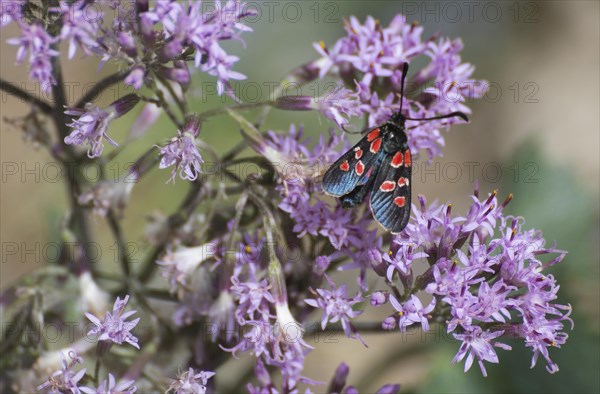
(541, 128)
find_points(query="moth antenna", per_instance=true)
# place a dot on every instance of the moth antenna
(404, 72)
(450, 115)
(350, 131)
(414, 127)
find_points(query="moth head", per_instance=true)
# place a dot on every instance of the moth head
(398, 119)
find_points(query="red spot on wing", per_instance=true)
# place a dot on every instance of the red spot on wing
(400, 201)
(387, 186)
(373, 134)
(407, 158)
(398, 159)
(345, 166)
(402, 182)
(375, 145)
(358, 152)
(360, 168)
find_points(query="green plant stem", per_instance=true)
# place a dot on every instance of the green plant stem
(78, 223)
(115, 228)
(101, 86)
(221, 110)
(182, 104)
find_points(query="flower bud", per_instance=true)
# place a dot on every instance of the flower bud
(389, 323)
(123, 105)
(170, 50)
(179, 75)
(135, 78)
(339, 379)
(127, 42)
(141, 6)
(379, 298)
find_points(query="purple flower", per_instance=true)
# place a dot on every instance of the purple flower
(135, 78)
(370, 57)
(337, 306)
(114, 328)
(412, 312)
(339, 378)
(191, 382)
(337, 105)
(378, 110)
(487, 270)
(401, 260)
(253, 296)
(541, 333)
(478, 344)
(373, 51)
(80, 25)
(379, 298)
(220, 65)
(109, 386)
(91, 124)
(182, 153)
(36, 40)
(65, 379)
(186, 26)
(336, 227)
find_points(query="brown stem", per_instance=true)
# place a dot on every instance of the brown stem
(14, 90)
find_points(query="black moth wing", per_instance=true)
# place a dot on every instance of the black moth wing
(390, 198)
(354, 167)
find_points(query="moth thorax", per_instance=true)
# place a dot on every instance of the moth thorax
(393, 141)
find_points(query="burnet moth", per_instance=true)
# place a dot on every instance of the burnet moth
(379, 163)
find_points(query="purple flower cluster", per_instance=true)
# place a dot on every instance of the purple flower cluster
(346, 230)
(36, 41)
(80, 26)
(483, 275)
(186, 26)
(337, 306)
(191, 382)
(270, 332)
(493, 284)
(487, 278)
(370, 59)
(171, 28)
(66, 380)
